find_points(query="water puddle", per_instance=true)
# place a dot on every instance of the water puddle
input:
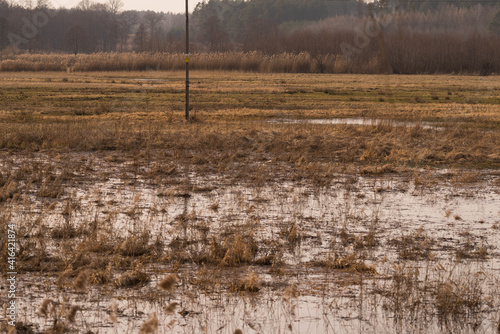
(358, 121)
(150, 80)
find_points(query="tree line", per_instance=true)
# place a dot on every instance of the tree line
(89, 27)
(397, 36)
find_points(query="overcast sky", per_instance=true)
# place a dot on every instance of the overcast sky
(174, 6)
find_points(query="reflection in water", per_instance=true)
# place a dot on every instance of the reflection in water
(330, 221)
(357, 121)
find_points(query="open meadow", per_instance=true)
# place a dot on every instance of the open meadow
(289, 203)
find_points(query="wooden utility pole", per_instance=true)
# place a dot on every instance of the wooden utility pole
(187, 61)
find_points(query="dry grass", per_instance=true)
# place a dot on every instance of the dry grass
(236, 250)
(71, 316)
(136, 245)
(168, 283)
(415, 246)
(456, 297)
(46, 307)
(8, 190)
(150, 326)
(224, 144)
(148, 117)
(147, 61)
(160, 166)
(133, 278)
(350, 263)
(249, 284)
(170, 308)
(81, 281)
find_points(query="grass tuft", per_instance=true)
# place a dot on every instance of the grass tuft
(71, 316)
(81, 281)
(132, 279)
(249, 283)
(168, 283)
(150, 326)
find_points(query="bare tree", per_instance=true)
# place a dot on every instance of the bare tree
(3, 32)
(28, 4)
(152, 19)
(126, 21)
(115, 6)
(85, 5)
(75, 38)
(43, 4)
(495, 24)
(141, 38)
(214, 34)
(261, 34)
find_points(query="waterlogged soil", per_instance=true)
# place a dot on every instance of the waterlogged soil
(368, 253)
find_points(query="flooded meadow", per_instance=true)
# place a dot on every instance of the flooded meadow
(403, 251)
(288, 203)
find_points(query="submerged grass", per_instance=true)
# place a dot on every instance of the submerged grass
(160, 211)
(225, 143)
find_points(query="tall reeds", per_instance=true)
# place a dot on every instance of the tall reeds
(410, 53)
(158, 61)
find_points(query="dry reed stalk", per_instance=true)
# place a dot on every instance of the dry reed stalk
(114, 316)
(237, 249)
(291, 292)
(8, 191)
(71, 316)
(348, 263)
(44, 308)
(293, 235)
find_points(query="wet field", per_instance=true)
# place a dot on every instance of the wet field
(369, 253)
(289, 203)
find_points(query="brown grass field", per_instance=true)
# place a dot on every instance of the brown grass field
(274, 209)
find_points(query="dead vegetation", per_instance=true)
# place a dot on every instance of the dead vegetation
(236, 259)
(350, 263)
(223, 137)
(415, 246)
(125, 205)
(248, 284)
(283, 145)
(132, 279)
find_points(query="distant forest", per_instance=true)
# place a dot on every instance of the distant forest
(404, 36)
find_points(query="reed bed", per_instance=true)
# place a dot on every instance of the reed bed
(159, 61)
(252, 61)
